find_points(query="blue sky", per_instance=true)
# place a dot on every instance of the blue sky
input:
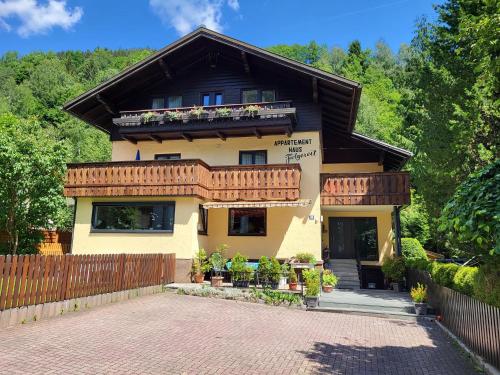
(33, 25)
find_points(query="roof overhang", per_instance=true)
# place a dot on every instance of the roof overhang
(338, 97)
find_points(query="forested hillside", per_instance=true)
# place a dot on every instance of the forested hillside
(437, 97)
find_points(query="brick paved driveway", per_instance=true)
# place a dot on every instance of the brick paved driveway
(170, 334)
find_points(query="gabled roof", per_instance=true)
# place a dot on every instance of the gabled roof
(338, 96)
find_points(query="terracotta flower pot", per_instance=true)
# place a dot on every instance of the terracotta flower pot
(217, 281)
(292, 286)
(198, 278)
(327, 288)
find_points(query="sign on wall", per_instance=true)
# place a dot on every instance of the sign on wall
(296, 149)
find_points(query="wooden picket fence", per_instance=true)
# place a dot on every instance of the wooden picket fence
(34, 279)
(476, 323)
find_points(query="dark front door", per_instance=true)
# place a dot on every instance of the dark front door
(353, 237)
(341, 241)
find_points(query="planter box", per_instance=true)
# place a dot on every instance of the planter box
(327, 288)
(311, 302)
(421, 308)
(217, 281)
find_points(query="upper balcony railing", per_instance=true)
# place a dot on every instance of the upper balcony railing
(184, 178)
(383, 188)
(235, 112)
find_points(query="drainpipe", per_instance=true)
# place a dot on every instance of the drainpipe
(397, 229)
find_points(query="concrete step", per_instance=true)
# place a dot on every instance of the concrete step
(343, 261)
(342, 284)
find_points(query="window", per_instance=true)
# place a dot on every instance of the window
(205, 100)
(353, 238)
(268, 96)
(250, 96)
(247, 222)
(158, 103)
(167, 156)
(212, 98)
(175, 101)
(365, 237)
(218, 98)
(253, 157)
(202, 220)
(257, 96)
(133, 217)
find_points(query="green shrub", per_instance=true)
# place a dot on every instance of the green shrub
(487, 284)
(419, 293)
(239, 268)
(292, 276)
(275, 270)
(394, 269)
(311, 277)
(463, 281)
(305, 258)
(413, 253)
(443, 273)
(329, 278)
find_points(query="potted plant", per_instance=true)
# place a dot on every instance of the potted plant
(419, 297)
(275, 273)
(292, 279)
(148, 117)
(200, 266)
(197, 112)
(329, 281)
(217, 263)
(394, 270)
(264, 271)
(240, 271)
(223, 112)
(285, 271)
(305, 259)
(172, 116)
(311, 277)
(251, 110)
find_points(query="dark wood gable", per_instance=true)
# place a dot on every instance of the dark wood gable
(206, 61)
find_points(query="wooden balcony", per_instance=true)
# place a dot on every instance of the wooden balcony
(388, 188)
(206, 122)
(183, 178)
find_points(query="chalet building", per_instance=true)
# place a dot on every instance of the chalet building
(216, 141)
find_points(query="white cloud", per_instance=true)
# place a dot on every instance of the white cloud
(234, 5)
(35, 17)
(186, 15)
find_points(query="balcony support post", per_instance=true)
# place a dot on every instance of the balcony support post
(397, 229)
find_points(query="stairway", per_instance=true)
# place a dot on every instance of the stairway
(347, 272)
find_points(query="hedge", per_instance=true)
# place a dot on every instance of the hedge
(413, 253)
(463, 281)
(444, 273)
(487, 283)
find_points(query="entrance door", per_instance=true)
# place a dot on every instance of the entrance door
(341, 238)
(353, 237)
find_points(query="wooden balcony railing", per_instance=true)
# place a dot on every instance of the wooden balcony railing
(183, 178)
(388, 188)
(248, 111)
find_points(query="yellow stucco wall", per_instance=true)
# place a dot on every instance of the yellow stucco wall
(384, 227)
(289, 229)
(183, 241)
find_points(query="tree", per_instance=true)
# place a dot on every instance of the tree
(451, 102)
(472, 216)
(32, 167)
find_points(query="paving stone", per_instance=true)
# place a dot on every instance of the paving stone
(171, 334)
(5, 318)
(22, 315)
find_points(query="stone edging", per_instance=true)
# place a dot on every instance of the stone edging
(33, 313)
(488, 368)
